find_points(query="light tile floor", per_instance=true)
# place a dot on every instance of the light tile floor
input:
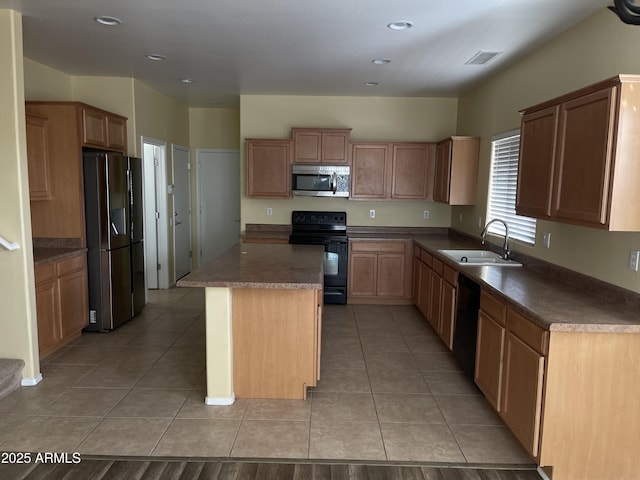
(389, 390)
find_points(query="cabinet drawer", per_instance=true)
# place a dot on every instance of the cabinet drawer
(528, 332)
(493, 307)
(450, 275)
(71, 264)
(437, 266)
(427, 258)
(385, 247)
(45, 273)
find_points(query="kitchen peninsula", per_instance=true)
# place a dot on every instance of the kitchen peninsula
(263, 321)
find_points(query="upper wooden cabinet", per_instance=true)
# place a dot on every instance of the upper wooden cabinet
(38, 157)
(578, 157)
(269, 168)
(456, 170)
(63, 215)
(313, 145)
(370, 171)
(401, 171)
(412, 171)
(103, 129)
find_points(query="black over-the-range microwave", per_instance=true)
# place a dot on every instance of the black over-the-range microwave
(321, 180)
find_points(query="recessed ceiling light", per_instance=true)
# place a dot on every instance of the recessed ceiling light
(380, 61)
(481, 58)
(186, 80)
(402, 25)
(108, 21)
(371, 84)
(156, 57)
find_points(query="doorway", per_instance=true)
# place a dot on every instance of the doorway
(156, 231)
(218, 201)
(181, 211)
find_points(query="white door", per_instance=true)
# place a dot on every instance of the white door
(218, 201)
(181, 211)
(156, 237)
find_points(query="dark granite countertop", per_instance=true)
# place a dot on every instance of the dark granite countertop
(247, 265)
(552, 304)
(44, 255)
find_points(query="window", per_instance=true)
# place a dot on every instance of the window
(503, 183)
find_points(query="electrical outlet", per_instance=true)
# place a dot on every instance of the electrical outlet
(480, 222)
(546, 239)
(460, 218)
(425, 214)
(634, 256)
(372, 214)
(269, 212)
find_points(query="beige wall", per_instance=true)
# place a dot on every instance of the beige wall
(372, 119)
(214, 128)
(17, 285)
(598, 48)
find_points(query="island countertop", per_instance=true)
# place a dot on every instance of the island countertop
(297, 267)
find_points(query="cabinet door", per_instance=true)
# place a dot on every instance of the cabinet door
(307, 146)
(489, 350)
(443, 172)
(447, 313)
(435, 291)
(38, 158)
(522, 392)
(94, 127)
(47, 308)
(584, 158)
(268, 168)
(411, 171)
(536, 162)
(73, 292)
(335, 148)
(391, 275)
(363, 274)
(425, 289)
(117, 133)
(415, 290)
(369, 171)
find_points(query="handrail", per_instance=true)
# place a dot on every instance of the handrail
(7, 244)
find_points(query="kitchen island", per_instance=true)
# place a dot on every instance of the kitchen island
(263, 321)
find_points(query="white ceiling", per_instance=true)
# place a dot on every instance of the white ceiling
(292, 47)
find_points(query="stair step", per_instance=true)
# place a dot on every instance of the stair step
(10, 375)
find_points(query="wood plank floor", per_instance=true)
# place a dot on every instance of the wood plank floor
(103, 468)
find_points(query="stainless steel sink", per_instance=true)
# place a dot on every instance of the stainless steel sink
(478, 258)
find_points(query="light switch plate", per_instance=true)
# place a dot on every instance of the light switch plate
(372, 214)
(546, 239)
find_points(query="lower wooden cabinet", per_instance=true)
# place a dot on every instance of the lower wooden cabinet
(510, 367)
(380, 270)
(62, 302)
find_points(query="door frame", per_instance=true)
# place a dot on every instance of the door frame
(199, 191)
(162, 233)
(175, 147)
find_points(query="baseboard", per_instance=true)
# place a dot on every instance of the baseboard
(31, 382)
(220, 400)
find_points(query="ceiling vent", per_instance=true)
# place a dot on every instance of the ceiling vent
(481, 58)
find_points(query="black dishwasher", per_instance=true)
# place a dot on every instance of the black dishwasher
(466, 327)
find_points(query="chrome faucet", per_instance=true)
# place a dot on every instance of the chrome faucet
(506, 252)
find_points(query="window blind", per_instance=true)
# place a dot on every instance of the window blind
(502, 190)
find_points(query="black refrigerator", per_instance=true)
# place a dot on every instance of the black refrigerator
(114, 227)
